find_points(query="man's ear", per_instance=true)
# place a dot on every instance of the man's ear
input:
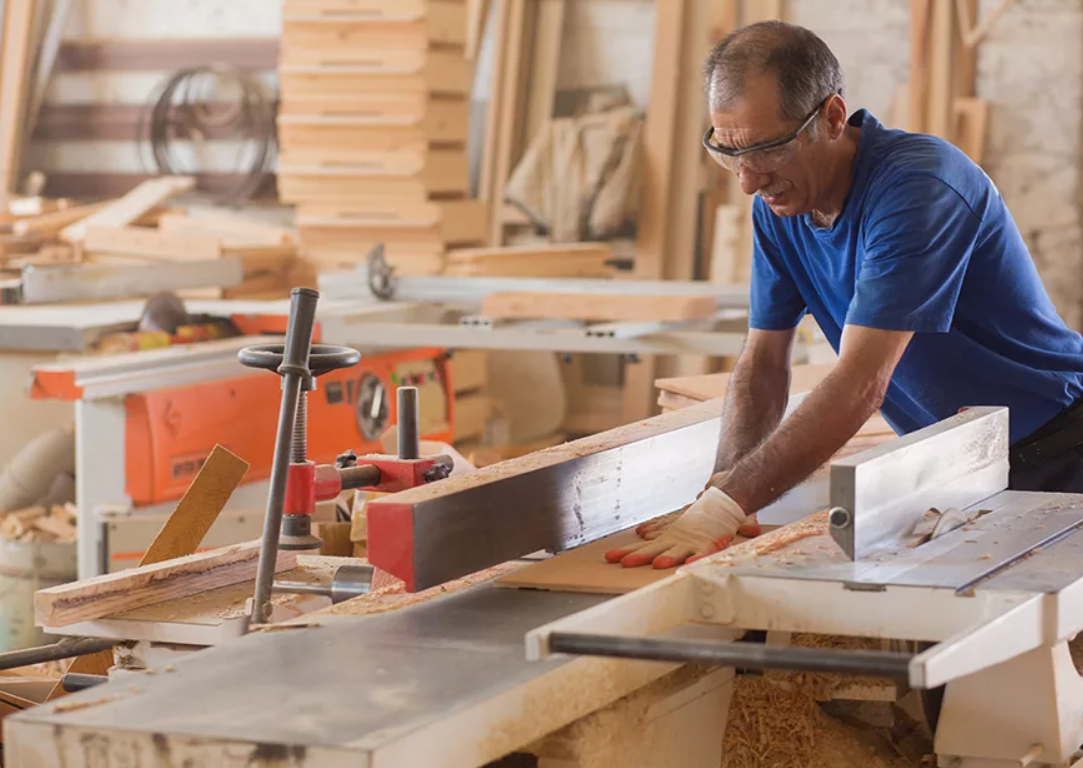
(836, 116)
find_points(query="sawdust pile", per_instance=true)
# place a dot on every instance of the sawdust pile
(388, 594)
(776, 722)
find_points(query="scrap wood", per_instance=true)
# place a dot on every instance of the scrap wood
(113, 593)
(231, 228)
(148, 242)
(586, 306)
(56, 524)
(127, 209)
(183, 531)
(50, 224)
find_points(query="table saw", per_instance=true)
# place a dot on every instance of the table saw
(982, 607)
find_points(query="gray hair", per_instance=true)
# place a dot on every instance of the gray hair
(806, 70)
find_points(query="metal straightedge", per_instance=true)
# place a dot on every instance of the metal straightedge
(880, 495)
(358, 284)
(99, 282)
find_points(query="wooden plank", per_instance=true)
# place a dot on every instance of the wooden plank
(802, 378)
(149, 584)
(15, 69)
(477, 11)
(584, 569)
(525, 304)
(487, 179)
(508, 136)
(183, 531)
(524, 252)
(130, 207)
(100, 185)
(548, 33)
(971, 121)
(941, 81)
(229, 228)
(972, 36)
(144, 241)
(48, 224)
(166, 55)
(659, 137)
(200, 506)
(919, 47)
(50, 49)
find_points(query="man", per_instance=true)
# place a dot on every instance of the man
(903, 251)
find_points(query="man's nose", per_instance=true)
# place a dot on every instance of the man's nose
(750, 182)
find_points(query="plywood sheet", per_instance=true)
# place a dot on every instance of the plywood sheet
(584, 569)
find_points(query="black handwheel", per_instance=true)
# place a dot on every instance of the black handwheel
(322, 359)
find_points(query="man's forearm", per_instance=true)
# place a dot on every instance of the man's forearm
(755, 402)
(828, 418)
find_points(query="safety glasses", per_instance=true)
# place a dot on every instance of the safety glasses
(765, 157)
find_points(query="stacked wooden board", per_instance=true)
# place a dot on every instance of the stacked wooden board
(372, 130)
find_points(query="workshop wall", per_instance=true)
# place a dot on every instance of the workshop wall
(85, 142)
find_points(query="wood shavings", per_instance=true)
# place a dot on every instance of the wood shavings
(775, 721)
(283, 627)
(73, 706)
(57, 524)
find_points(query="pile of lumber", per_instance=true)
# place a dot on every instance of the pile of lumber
(566, 260)
(54, 524)
(139, 227)
(373, 146)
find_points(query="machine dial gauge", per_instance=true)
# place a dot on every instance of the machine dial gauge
(372, 407)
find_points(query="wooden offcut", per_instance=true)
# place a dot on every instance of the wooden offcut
(144, 241)
(585, 306)
(180, 577)
(182, 533)
(127, 209)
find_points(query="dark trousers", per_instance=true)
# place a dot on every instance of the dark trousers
(1051, 459)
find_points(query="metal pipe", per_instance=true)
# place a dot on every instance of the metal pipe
(744, 655)
(295, 377)
(66, 648)
(409, 437)
(360, 476)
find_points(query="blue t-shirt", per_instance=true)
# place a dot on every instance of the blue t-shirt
(924, 243)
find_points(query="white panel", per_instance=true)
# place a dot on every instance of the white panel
(140, 19)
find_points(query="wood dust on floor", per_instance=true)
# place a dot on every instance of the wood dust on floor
(775, 721)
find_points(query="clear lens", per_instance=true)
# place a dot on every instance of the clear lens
(761, 161)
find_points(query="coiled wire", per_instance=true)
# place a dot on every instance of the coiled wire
(181, 111)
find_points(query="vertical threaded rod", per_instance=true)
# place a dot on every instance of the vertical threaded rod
(299, 446)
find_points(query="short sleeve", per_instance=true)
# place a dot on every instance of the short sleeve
(775, 303)
(918, 239)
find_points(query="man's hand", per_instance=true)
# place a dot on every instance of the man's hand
(707, 526)
(652, 529)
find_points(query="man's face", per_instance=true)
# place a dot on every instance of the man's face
(792, 188)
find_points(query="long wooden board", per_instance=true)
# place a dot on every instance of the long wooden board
(127, 209)
(144, 241)
(575, 306)
(122, 591)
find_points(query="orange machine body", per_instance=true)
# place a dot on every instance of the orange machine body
(170, 432)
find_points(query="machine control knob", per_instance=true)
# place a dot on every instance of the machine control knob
(323, 358)
(347, 459)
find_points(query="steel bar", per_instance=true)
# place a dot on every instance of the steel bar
(295, 375)
(66, 648)
(735, 654)
(409, 437)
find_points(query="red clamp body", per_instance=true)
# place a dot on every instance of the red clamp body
(309, 483)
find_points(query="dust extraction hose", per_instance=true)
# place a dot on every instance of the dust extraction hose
(42, 472)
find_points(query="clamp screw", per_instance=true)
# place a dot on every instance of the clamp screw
(437, 472)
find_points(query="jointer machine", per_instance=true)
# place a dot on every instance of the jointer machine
(980, 589)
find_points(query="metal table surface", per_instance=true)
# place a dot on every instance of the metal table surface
(361, 682)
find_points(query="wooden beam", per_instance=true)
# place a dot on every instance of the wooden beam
(919, 47)
(50, 49)
(487, 188)
(482, 255)
(130, 207)
(575, 306)
(972, 36)
(477, 11)
(941, 77)
(115, 593)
